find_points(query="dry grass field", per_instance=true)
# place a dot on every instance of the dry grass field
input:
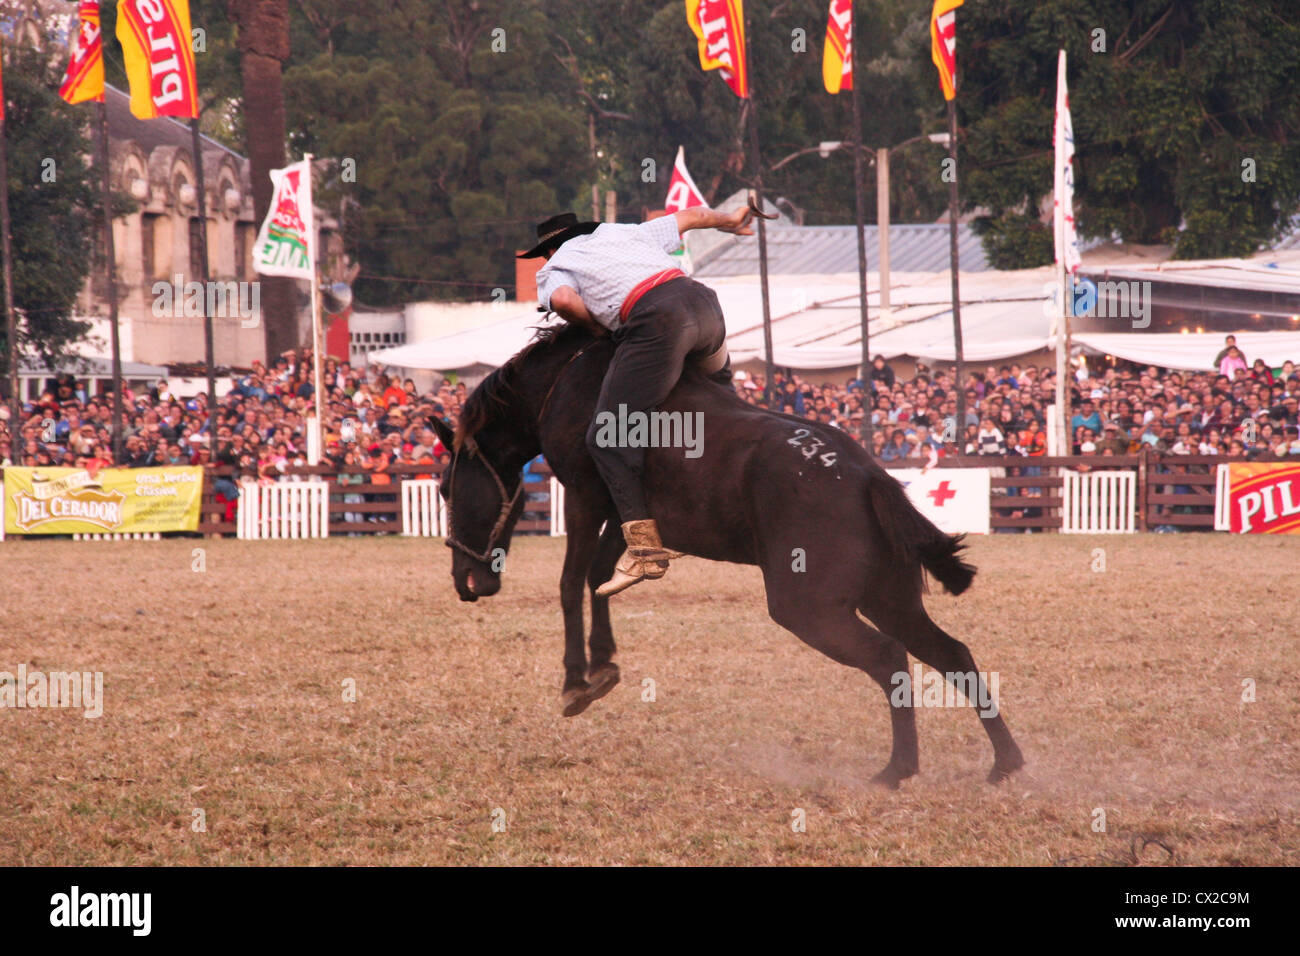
(224, 692)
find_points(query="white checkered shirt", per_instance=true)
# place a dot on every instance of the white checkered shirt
(605, 265)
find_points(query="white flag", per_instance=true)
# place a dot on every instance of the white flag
(1067, 239)
(682, 191)
(286, 241)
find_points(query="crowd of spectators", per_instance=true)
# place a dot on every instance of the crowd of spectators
(1234, 410)
(374, 421)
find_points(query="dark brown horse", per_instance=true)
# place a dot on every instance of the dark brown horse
(833, 533)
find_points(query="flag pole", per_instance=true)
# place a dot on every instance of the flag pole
(1062, 429)
(959, 373)
(862, 230)
(204, 276)
(318, 375)
(11, 322)
(110, 267)
(1061, 423)
(755, 158)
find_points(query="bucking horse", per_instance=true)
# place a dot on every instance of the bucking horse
(832, 531)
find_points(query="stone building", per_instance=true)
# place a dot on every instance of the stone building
(157, 248)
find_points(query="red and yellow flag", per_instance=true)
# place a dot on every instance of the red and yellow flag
(837, 54)
(943, 44)
(155, 38)
(85, 77)
(720, 27)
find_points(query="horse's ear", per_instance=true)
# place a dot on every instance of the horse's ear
(443, 431)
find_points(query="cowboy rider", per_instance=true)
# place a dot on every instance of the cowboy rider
(620, 280)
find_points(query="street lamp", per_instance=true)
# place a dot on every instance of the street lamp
(882, 207)
(881, 158)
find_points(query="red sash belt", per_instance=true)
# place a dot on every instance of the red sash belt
(644, 286)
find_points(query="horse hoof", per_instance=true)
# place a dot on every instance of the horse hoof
(887, 778)
(1001, 774)
(602, 681)
(575, 700)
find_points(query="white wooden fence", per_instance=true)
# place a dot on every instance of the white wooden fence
(1099, 502)
(1222, 512)
(286, 509)
(424, 513)
(557, 509)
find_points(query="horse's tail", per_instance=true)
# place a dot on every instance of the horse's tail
(913, 538)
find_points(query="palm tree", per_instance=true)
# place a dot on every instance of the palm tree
(263, 43)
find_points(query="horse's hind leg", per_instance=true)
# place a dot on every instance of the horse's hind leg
(837, 632)
(930, 643)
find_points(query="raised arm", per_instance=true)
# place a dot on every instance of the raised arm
(698, 217)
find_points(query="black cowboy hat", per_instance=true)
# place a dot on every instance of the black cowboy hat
(555, 231)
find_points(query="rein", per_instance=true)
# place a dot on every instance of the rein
(546, 402)
(508, 501)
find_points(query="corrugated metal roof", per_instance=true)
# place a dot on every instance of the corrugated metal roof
(150, 134)
(1290, 238)
(826, 250)
(1220, 274)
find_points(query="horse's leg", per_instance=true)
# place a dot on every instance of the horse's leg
(604, 672)
(908, 621)
(582, 528)
(834, 629)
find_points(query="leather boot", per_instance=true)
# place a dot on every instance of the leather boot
(645, 558)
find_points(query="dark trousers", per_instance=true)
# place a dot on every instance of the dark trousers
(672, 324)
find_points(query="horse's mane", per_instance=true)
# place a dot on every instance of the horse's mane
(495, 390)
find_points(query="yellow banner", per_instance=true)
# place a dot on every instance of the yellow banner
(109, 501)
(85, 77)
(158, 54)
(943, 44)
(837, 53)
(719, 26)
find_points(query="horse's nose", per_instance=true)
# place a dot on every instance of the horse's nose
(485, 586)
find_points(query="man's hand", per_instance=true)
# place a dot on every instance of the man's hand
(737, 222)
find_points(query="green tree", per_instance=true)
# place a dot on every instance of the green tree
(647, 68)
(53, 205)
(1186, 120)
(453, 129)
(458, 146)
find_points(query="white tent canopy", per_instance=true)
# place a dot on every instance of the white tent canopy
(1194, 350)
(488, 345)
(1002, 315)
(816, 324)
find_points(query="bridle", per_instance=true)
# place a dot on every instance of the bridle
(508, 501)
